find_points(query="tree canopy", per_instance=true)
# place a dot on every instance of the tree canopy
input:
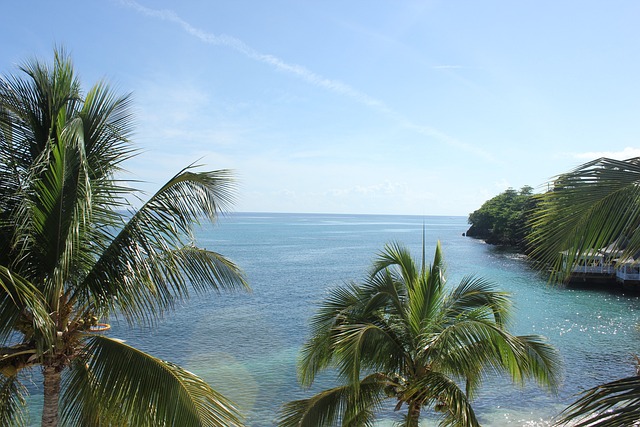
(74, 252)
(503, 219)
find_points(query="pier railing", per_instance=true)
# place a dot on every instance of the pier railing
(595, 269)
(628, 273)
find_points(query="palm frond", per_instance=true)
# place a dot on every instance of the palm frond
(12, 402)
(336, 406)
(383, 292)
(475, 292)
(133, 388)
(425, 294)
(348, 319)
(151, 262)
(588, 209)
(396, 255)
(34, 104)
(323, 409)
(453, 404)
(54, 235)
(21, 299)
(367, 347)
(81, 404)
(474, 345)
(208, 270)
(614, 404)
(469, 347)
(317, 352)
(106, 127)
(542, 361)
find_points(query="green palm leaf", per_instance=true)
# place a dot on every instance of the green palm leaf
(541, 361)
(452, 403)
(317, 352)
(141, 274)
(366, 347)
(474, 347)
(12, 402)
(120, 385)
(18, 297)
(589, 208)
(32, 105)
(396, 255)
(343, 406)
(614, 404)
(593, 208)
(474, 292)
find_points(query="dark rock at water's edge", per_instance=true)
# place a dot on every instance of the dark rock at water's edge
(477, 233)
(492, 239)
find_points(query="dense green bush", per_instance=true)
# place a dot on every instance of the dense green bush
(503, 219)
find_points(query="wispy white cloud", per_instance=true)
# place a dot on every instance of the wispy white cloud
(305, 74)
(624, 154)
(240, 46)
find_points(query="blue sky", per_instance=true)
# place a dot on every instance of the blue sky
(364, 106)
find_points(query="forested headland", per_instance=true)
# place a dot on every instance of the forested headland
(504, 219)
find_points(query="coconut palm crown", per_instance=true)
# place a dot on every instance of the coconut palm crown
(403, 334)
(73, 251)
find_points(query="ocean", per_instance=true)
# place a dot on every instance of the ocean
(246, 344)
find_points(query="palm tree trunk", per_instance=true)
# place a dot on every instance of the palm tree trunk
(413, 416)
(51, 395)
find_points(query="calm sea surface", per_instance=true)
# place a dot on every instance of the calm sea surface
(246, 345)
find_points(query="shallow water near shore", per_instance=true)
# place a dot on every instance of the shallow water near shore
(246, 345)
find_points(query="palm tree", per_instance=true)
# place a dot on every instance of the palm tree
(74, 251)
(403, 334)
(594, 206)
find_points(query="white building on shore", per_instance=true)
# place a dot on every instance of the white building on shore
(607, 266)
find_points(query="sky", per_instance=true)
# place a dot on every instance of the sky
(362, 106)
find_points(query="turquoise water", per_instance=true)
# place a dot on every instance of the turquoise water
(246, 345)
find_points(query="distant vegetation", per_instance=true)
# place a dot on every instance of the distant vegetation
(503, 220)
